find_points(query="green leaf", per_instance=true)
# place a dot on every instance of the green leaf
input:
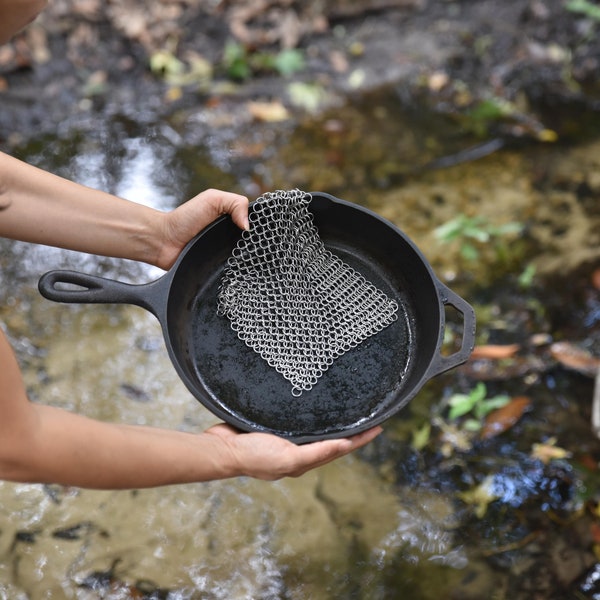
(288, 62)
(450, 230)
(236, 62)
(460, 404)
(506, 229)
(469, 252)
(585, 8)
(166, 63)
(306, 95)
(527, 276)
(472, 425)
(476, 232)
(484, 407)
(420, 437)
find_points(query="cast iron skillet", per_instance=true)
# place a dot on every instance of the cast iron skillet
(363, 387)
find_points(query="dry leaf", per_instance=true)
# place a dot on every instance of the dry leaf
(453, 438)
(437, 81)
(338, 61)
(501, 419)
(549, 451)
(269, 112)
(495, 351)
(573, 357)
(480, 496)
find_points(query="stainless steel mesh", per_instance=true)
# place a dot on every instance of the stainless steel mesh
(293, 301)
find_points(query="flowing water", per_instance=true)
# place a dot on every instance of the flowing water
(389, 521)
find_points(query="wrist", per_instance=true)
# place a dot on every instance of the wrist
(220, 446)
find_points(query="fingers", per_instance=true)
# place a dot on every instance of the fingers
(229, 203)
(239, 213)
(269, 457)
(318, 454)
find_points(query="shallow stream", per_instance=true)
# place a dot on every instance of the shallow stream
(446, 515)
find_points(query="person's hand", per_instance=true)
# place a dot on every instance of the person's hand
(269, 457)
(183, 223)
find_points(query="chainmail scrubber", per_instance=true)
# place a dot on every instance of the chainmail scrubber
(293, 301)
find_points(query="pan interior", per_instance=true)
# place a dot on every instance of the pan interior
(356, 386)
(369, 382)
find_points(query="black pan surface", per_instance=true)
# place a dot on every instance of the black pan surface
(366, 384)
(362, 388)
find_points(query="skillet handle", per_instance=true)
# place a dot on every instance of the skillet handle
(92, 289)
(445, 363)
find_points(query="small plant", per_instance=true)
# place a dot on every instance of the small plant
(584, 7)
(195, 70)
(476, 405)
(241, 64)
(473, 231)
(488, 111)
(527, 277)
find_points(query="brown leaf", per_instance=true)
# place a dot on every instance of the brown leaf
(268, 112)
(573, 357)
(495, 351)
(489, 370)
(502, 419)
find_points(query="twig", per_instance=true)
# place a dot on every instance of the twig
(514, 546)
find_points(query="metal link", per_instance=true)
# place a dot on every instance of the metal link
(293, 301)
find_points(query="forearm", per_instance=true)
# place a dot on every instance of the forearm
(74, 450)
(41, 443)
(36, 206)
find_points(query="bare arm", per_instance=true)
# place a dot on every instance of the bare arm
(37, 206)
(15, 15)
(45, 444)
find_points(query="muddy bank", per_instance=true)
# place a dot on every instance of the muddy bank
(530, 58)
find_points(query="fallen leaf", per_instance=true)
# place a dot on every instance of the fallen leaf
(502, 419)
(173, 94)
(420, 437)
(307, 96)
(338, 61)
(519, 366)
(453, 438)
(540, 339)
(547, 135)
(495, 351)
(269, 112)
(437, 81)
(573, 357)
(480, 496)
(357, 78)
(549, 451)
